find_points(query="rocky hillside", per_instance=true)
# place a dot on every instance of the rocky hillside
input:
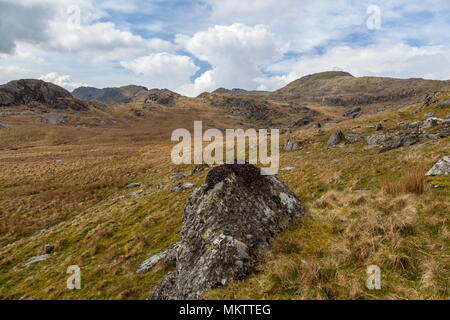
(123, 94)
(31, 92)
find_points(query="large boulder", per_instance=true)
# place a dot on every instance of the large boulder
(228, 223)
(442, 167)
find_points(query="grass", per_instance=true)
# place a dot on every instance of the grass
(363, 208)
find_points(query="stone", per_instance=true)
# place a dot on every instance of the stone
(168, 255)
(379, 127)
(292, 144)
(5, 126)
(335, 139)
(53, 118)
(182, 186)
(406, 139)
(228, 224)
(36, 259)
(47, 249)
(442, 167)
(133, 185)
(353, 113)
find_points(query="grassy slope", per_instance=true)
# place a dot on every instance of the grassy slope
(322, 256)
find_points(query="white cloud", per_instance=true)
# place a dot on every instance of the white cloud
(61, 80)
(163, 70)
(236, 53)
(382, 59)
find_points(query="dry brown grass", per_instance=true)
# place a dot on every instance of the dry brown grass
(412, 182)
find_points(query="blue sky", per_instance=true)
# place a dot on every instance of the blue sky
(195, 46)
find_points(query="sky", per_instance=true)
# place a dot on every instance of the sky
(195, 46)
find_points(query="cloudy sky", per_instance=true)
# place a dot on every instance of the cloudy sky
(195, 46)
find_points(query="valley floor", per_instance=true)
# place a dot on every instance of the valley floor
(66, 187)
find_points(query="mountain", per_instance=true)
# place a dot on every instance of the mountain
(338, 88)
(342, 89)
(123, 94)
(32, 91)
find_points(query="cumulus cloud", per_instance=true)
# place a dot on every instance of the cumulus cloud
(61, 80)
(236, 53)
(163, 70)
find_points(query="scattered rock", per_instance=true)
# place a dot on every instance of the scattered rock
(335, 139)
(379, 127)
(288, 169)
(199, 168)
(445, 103)
(442, 167)
(133, 185)
(353, 113)
(53, 118)
(378, 139)
(292, 144)
(47, 249)
(182, 186)
(168, 255)
(36, 259)
(177, 175)
(228, 224)
(303, 122)
(136, 193)
(5, 126)
(408, 138)
(429, 115)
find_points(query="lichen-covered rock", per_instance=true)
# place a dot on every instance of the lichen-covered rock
(170, 254)
(335, 139)
(442, 167)
(227, 225)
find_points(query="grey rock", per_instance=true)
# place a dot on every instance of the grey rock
(353, 113)
(53, 118)
(182, 186)
(177, 175)
(303, 122)
(442, 167)
(292, 144)
(5, 126)
(36, 259)
(429, 115)
(168, 255)
(379, 127)
(47, 249)
(228, 224)
(408, 138)
(445, 103)
(133, 185)
(335, 139)
(378, 139)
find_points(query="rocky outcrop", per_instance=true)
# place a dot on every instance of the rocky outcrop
(335, 139)
(228, 224)
(164, 97)
(353, 113)
(23, 92)
(442, 167)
